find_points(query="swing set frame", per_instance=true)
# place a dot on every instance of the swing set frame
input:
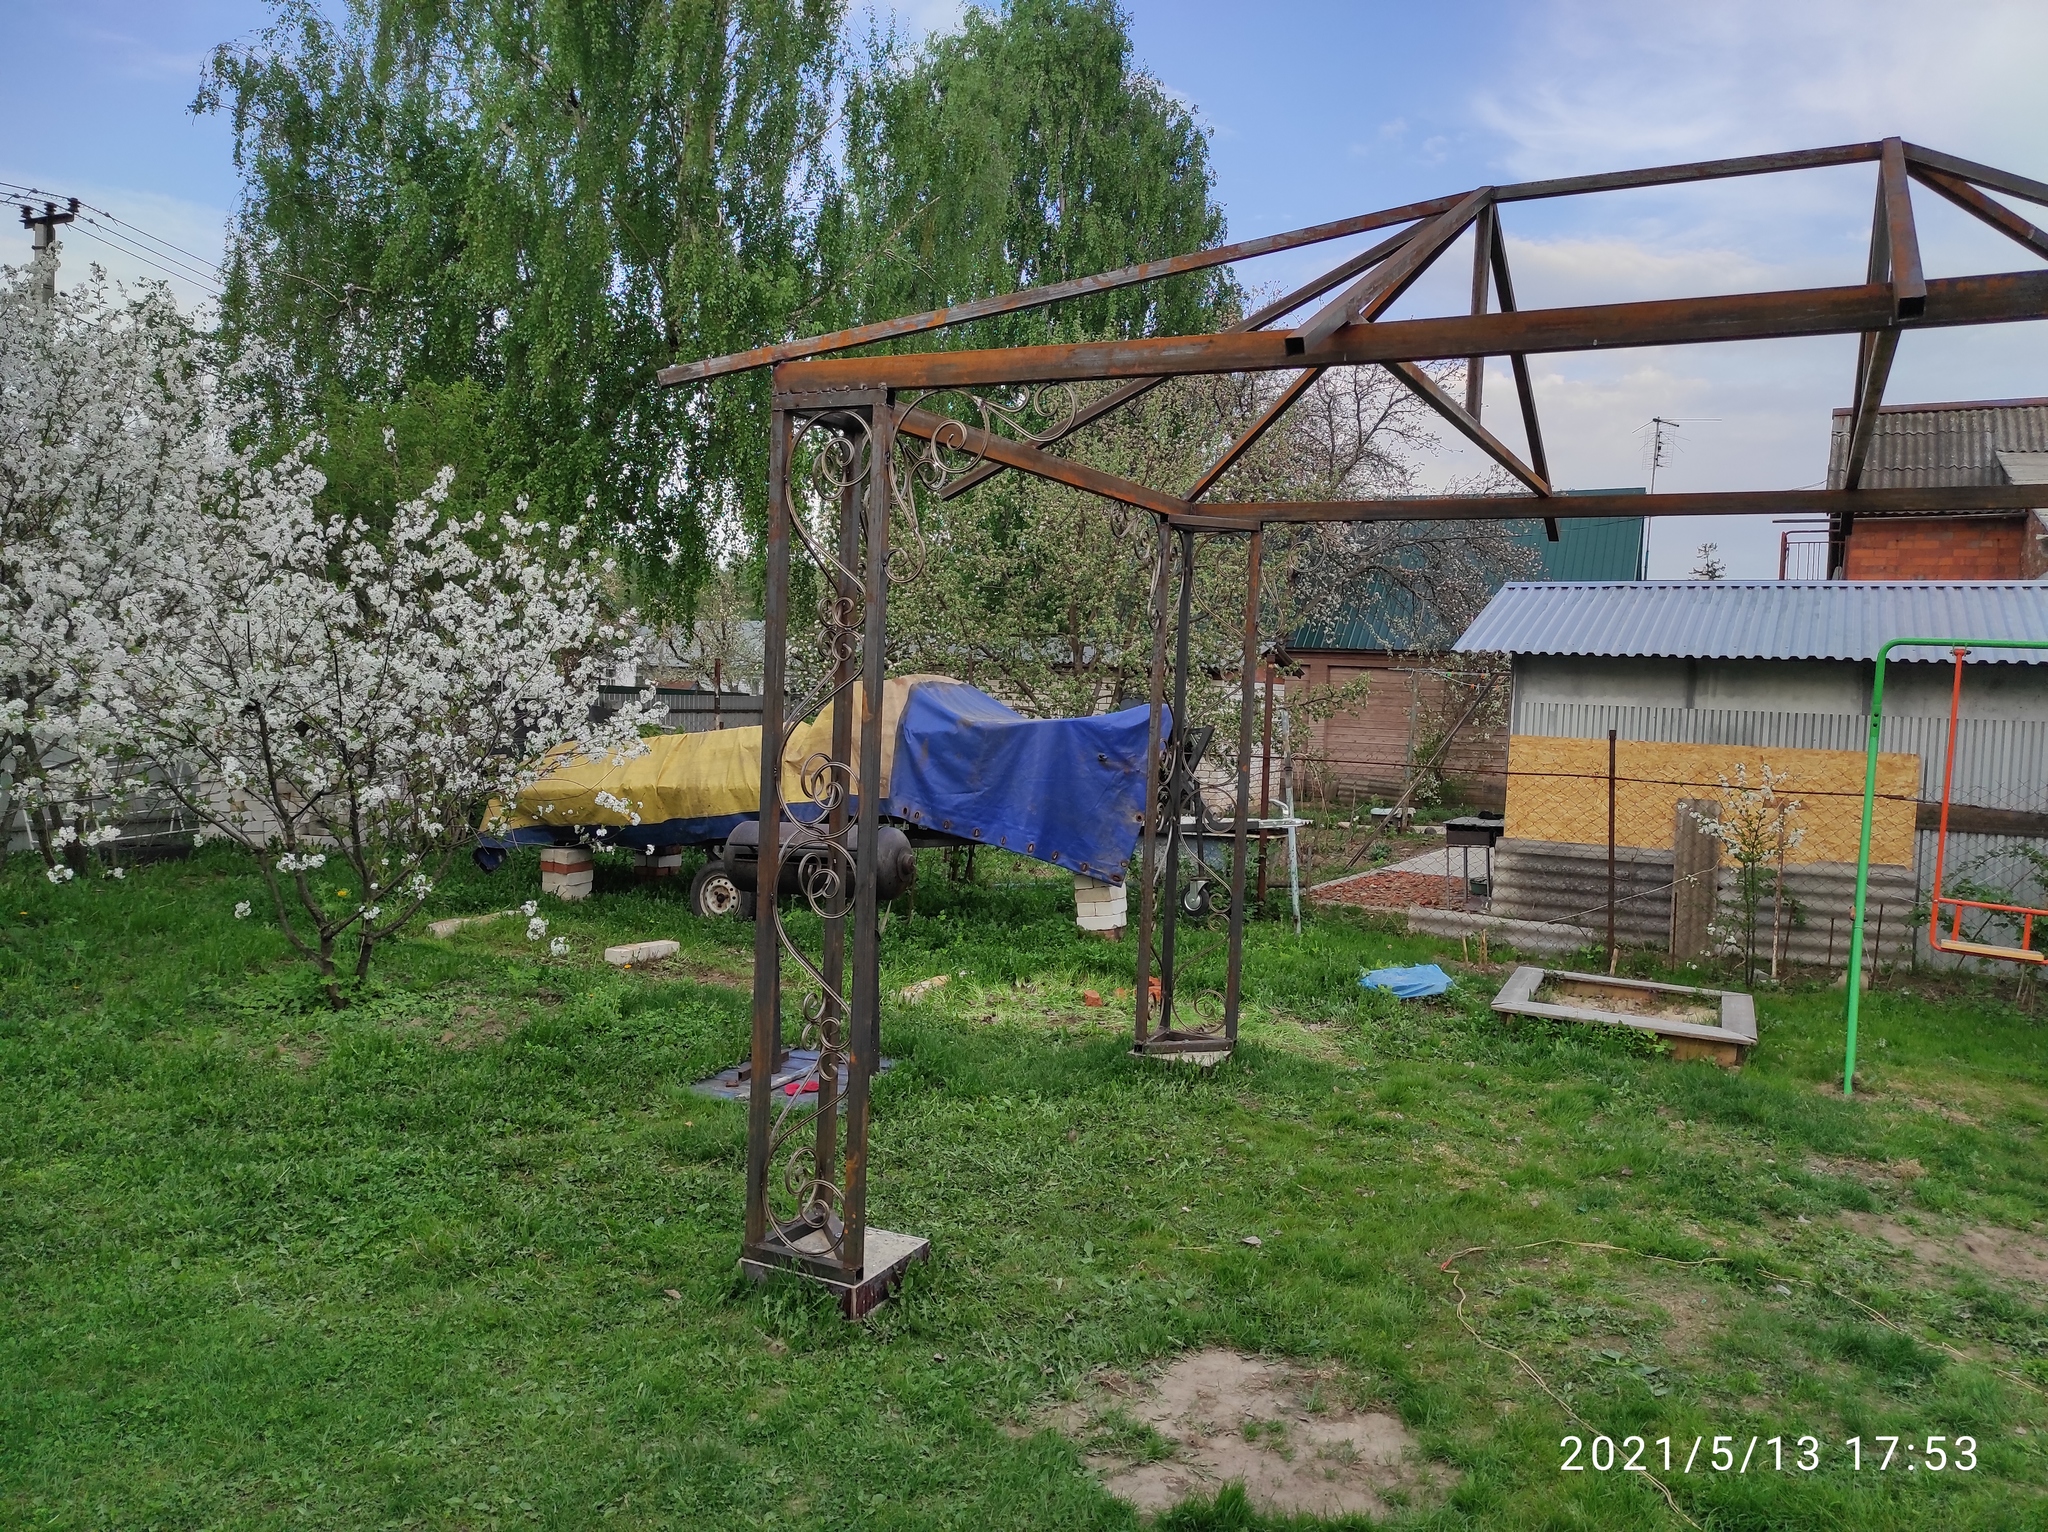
(1954, 941)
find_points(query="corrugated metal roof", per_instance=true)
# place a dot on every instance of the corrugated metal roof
(1760, 619)
(1920, 445)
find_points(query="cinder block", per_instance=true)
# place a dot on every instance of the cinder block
(1100, 905)
(641, 952)
(572, 886)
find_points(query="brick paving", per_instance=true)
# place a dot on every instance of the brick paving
(1392, 890)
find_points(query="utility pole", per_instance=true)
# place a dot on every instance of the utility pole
(43, 227)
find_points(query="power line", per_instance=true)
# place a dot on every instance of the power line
(152, 244)
(211, 288)
(171, 265)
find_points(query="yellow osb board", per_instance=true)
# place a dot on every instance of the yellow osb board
(1557, 791)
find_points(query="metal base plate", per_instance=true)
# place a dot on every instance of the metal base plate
(887, 1255)
(1202, 1053)
(1204, 1048)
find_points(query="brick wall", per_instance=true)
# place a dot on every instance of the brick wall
(1366, 749)
(1938, 548)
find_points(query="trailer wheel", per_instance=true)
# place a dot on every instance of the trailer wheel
(714, 895)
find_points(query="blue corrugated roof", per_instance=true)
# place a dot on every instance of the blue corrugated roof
(1760, 619)
(1385, 617)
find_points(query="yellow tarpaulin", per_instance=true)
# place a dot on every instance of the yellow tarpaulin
(707, 775)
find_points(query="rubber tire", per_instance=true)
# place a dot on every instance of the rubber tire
(1195, 901)
(713, 896)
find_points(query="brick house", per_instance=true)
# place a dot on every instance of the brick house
(1368, 750)
(1995, 442)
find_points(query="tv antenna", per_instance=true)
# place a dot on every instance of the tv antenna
(1664, 440)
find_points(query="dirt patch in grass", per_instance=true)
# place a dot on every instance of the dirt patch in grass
(1216, 1417)
(299, 1051)
(1881, 1176)
(2006, 1253)
(1619, 1000)
(471, 1027)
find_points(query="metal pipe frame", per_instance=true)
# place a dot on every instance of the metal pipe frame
(869, 399)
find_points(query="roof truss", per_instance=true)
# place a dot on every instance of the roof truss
(1347, 330)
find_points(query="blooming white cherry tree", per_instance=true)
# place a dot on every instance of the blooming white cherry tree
(344, 701)
(114, 443)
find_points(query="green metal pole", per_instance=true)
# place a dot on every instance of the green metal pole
(1855, 974)
(1854, 979)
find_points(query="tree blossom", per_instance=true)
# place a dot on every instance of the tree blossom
(327, 684)
(114, 437)
(175, 611)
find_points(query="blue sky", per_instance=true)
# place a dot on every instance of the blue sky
(1317, 110)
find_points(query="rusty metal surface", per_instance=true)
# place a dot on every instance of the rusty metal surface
(1216, 515)
(1052, 292)
(1146, 271)
(1975, 203)
(1998, 299)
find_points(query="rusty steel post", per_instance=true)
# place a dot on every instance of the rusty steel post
(1265, 777)
(1240, 851)
(767, 1017)
(833, 945)
(1177, 783)
(1162, 587)
(863, 1029)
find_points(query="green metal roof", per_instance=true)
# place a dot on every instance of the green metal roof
(1587, 548)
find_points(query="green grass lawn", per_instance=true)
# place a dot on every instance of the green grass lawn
(465, 1254)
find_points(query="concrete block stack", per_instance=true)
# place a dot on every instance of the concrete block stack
(567, 872)
(1099, 906)
(661, 862)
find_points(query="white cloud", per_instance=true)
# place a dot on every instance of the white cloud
(1612, 83)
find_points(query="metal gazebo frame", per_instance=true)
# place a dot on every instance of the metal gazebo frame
(854, 428)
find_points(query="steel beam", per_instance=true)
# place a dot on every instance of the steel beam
(955, 435)
(1301, 384)
(1998, 299)
(1482, 270)
(1525, 388)
(1375, 292)
(1052, 292)
(1421, 384)
(1941, 500)
(1909, 283)
(1697, 170)
(1149, 271)
(2023, 187)
(767, 1012)
(1117, 398)
(1177, 786)
(1974, 202)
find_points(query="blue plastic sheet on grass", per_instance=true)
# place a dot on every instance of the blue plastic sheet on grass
(1417, 983)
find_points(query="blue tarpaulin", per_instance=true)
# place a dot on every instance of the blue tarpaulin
(1070, 791)
(1416, 983)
